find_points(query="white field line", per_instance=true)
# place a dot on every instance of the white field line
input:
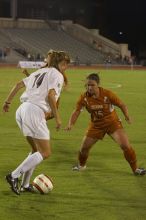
(113, 85)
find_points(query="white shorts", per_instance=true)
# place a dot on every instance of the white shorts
(31, 121)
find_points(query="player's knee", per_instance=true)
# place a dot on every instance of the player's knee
(34, 150)
(46, 154)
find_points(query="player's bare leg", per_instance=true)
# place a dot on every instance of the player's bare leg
(87, 144)
(43, 146)
(121, 138)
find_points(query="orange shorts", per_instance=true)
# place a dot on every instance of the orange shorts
(98, 131)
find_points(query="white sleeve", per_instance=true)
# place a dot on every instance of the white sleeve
(25, 80)
(55, 82)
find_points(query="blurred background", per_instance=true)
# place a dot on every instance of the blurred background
(92, 31)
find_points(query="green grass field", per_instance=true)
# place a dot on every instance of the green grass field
(107, 190)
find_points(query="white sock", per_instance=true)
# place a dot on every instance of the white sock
(30, 162)
(27, 175)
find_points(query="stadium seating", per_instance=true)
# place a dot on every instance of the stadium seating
(41, 40)
(7, 44)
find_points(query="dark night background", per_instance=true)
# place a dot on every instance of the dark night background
(123, 21)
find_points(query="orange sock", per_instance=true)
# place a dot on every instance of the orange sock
(82, 158)
(130, 156)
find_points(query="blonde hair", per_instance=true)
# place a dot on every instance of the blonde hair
(55, 58)
(58, 56)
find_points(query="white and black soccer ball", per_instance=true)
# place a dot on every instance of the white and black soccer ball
(42, 184)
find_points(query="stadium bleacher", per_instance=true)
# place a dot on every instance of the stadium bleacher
(41, 40)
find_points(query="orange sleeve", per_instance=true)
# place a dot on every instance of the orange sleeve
(115, 100)
(80, 103)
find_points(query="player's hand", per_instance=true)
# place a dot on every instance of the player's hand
(68, 128)
(58, 125)
(6, 107)
(48, 115)
(25, 72)
(128, 119)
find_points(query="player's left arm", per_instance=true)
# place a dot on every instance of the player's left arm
(53, 106)
(119, 103)
(124, 109)
(49, 115)
(12, 94)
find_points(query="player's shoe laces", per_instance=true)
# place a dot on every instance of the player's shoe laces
(27, 189)
(140, 171)
(13, 182)
(78, 168)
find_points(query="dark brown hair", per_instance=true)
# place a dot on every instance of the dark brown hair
(94, 76)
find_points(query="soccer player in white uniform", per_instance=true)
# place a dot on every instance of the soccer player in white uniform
(43, 89)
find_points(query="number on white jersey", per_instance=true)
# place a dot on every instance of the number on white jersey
(38, 79)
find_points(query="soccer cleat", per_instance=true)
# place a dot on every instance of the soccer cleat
(79, 168)
(27, 189)
(140, 171)
(13, 182)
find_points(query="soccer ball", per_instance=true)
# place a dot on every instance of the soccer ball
(42, 184)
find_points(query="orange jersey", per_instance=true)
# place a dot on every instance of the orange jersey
(102, 108)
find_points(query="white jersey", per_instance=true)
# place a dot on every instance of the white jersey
(38, 85)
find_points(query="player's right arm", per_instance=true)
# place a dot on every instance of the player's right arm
(11, 95)
(25, 72)
(75, 114)
(73, 118)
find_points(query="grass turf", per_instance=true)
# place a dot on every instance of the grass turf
(107, 190)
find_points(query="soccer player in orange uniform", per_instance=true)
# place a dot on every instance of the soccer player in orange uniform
(100, 102)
